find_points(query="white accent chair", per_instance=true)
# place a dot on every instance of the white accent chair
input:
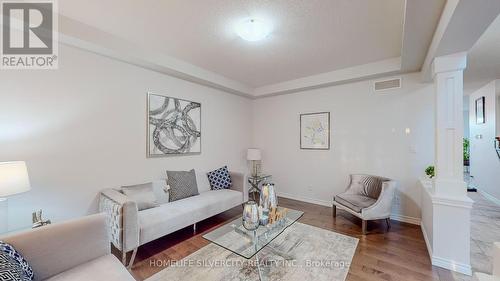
(372, 201)
(478, 276)
(130, 228)
(77, 250)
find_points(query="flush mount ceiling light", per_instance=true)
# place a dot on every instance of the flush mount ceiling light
(253, 29)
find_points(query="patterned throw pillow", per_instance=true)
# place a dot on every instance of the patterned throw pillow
(219, 179)
(12, 265)
(373, 186)
(182, 184)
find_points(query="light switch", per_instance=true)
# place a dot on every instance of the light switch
(413, 149)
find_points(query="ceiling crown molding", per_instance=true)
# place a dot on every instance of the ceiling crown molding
(341, 76)
(77, 34)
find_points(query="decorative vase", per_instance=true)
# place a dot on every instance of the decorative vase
(268, 201)
(251, 216)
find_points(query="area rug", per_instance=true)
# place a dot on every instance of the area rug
(302, 252)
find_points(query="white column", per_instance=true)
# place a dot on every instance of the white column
(449, 233)
(448, 81)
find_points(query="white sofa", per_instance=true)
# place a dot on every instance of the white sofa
(130, 228)
(77, 250)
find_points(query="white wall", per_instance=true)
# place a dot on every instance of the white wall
(82, 128)
(367, 136)
(484, 162)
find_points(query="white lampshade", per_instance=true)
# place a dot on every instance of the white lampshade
(13, 178)
(254, 154)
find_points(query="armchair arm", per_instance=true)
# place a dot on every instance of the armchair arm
(382, 208)
(121, 218)
(239, 184)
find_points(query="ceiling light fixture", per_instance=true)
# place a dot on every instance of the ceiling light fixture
(253, 29)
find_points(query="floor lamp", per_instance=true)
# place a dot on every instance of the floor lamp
(254, 155)
(13, 180)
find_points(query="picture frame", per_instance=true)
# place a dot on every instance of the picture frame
(315, 131)
(480, 112)
(173, 126)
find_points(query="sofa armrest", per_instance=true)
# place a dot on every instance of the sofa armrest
(239, 184)
(122, 219)
(383, 206)
(55, 248)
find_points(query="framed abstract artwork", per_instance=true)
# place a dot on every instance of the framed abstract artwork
(480, 114)
(174, 126)
(315, 131)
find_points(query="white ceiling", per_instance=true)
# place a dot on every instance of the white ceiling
(484, 59)
(309, 37)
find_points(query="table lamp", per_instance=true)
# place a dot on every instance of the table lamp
(13, 180)
(254, 155)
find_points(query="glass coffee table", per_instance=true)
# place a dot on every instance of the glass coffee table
(247, 244)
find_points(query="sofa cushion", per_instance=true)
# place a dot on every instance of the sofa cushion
(219, 179)
(160, 221)
(142, 194)
(355, 202)
(13, 266)
(103, 268)
(182, 184)
(202, 181)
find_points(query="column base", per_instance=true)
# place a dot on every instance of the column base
(446, 224)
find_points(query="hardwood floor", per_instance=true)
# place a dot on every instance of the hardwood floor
(399, 254)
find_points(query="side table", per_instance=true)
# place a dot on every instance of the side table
(255, 182)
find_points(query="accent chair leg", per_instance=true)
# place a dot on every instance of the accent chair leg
(388, 221)
(132, 259)
(334, 210)
(124, 257)
(363, 226)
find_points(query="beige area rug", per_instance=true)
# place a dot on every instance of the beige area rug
(302, 252)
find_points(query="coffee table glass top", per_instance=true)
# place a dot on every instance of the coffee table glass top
(234, 237)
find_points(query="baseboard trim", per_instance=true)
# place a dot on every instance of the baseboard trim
(453, 266)
(445, 263)
(396, 217)
(489, 196)
(305, 199)
(406, 219)
(426, 239)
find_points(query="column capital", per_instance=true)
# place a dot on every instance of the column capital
(453, 62)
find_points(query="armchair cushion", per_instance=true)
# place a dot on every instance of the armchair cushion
(355, 202)
(366, 185)
(13, 265)
(372, 186)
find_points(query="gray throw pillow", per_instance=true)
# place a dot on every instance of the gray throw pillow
(373, 186)
(182, 184)
(142, 194)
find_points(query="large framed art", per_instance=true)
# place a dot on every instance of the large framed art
(315, 131)
(174, 126)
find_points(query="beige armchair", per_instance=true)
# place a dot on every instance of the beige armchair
(368, 198)
(76, 250)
